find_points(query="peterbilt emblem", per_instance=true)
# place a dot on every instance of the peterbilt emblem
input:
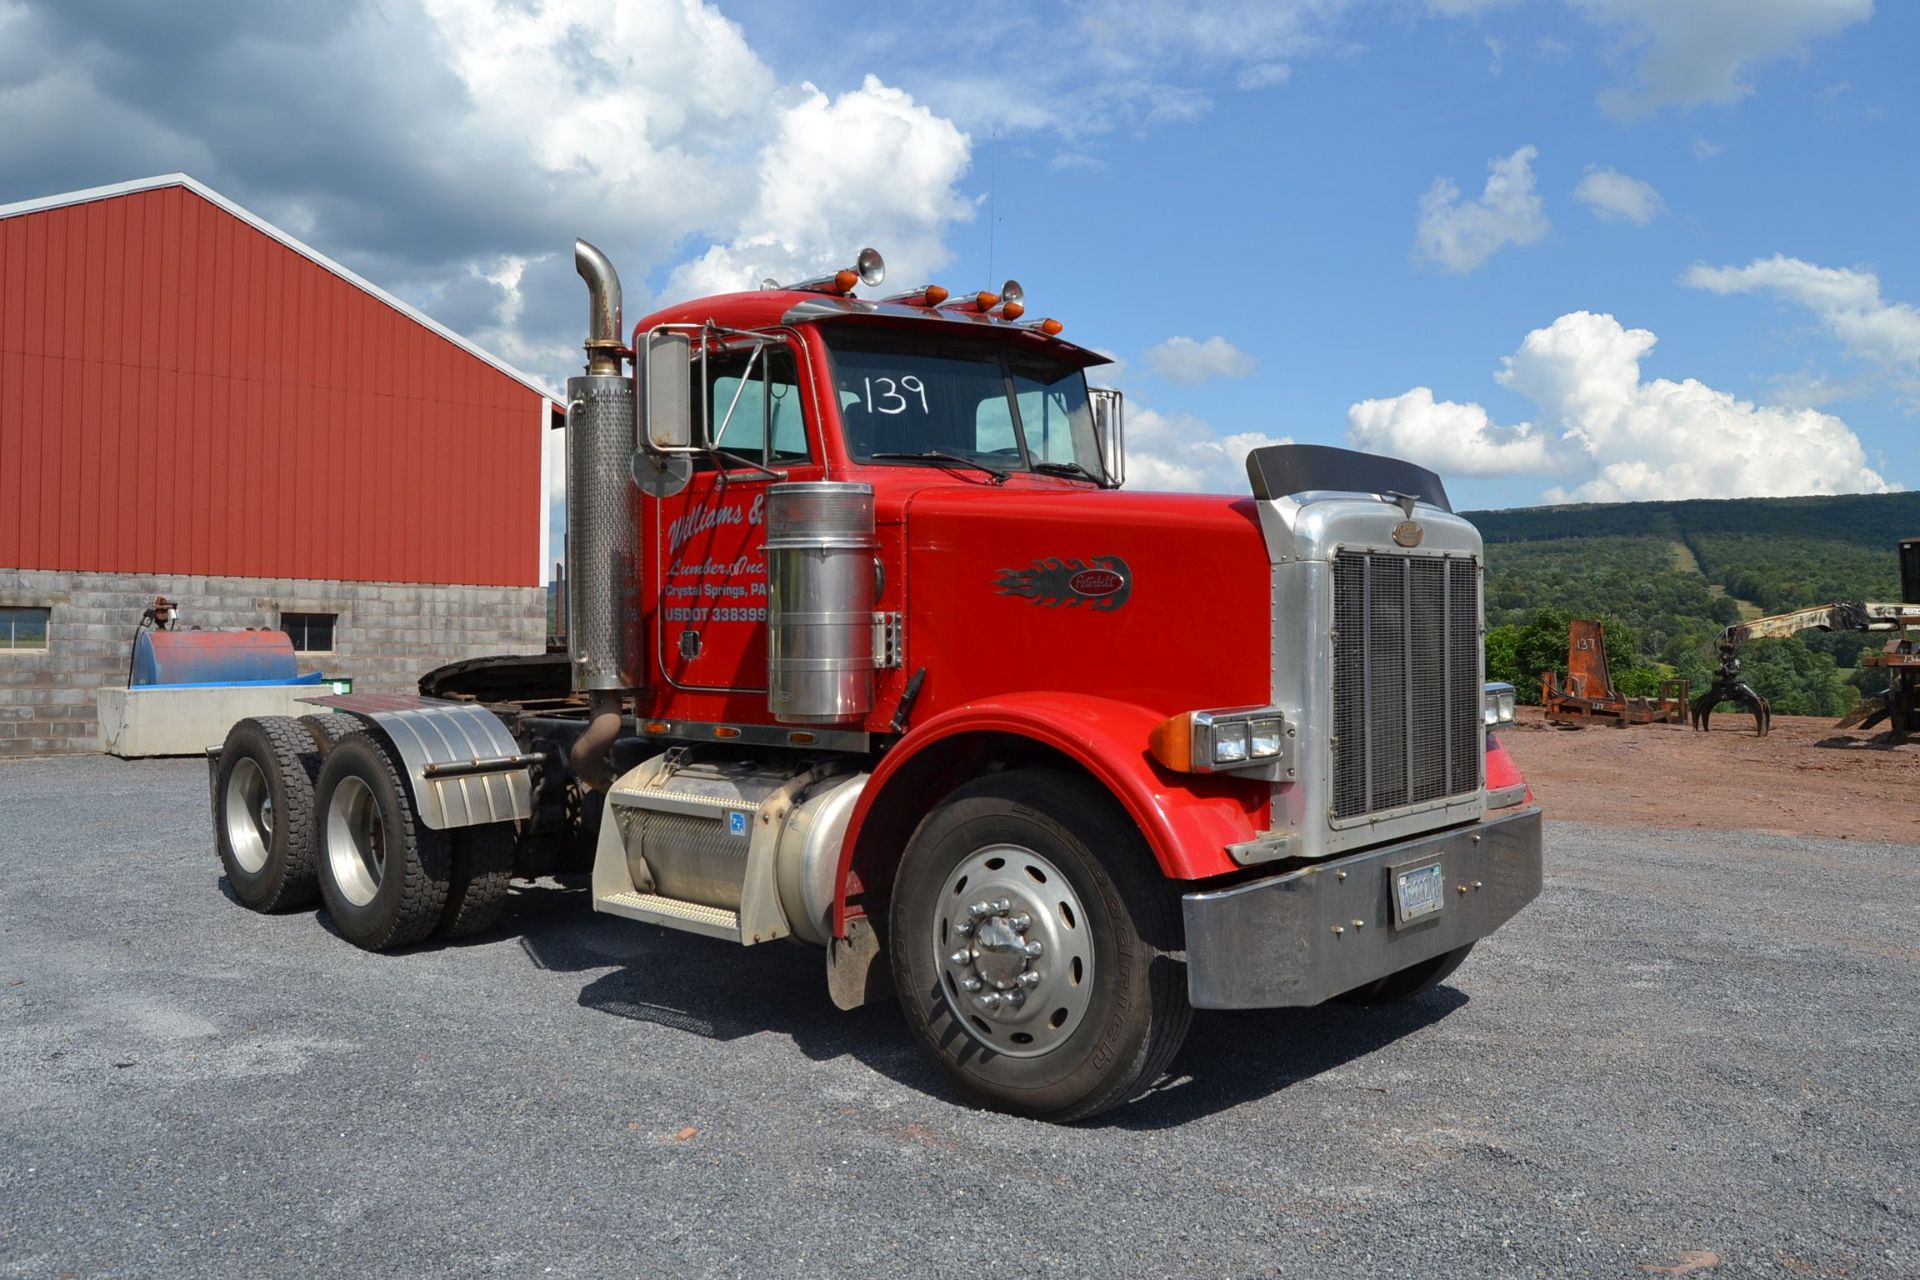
(1408, 533)
(1105, 584)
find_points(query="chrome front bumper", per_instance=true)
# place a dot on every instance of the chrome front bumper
(1300, 938)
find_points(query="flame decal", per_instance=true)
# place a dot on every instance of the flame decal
(1105, 583)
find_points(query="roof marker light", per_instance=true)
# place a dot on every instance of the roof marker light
(927, 295)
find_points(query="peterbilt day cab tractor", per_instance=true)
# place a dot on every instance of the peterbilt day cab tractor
(868, 648)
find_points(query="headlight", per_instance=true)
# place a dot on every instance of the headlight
(1499, 704)
(1209, 741)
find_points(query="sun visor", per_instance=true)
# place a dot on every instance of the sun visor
(1280, 470)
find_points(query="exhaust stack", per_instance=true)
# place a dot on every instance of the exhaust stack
(602, 638)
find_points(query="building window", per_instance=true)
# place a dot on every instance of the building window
(24, 627)
(311, 632)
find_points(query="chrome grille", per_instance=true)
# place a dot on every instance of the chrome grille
(1407, 697)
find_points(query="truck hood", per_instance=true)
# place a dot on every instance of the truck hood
(1163, 600)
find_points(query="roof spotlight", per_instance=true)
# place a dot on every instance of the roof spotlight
(1013, 293)
(871, 266)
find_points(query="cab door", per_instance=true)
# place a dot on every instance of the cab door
(708, 541)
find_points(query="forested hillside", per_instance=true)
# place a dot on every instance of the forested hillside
(1667, 576)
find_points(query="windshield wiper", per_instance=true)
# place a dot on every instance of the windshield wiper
(935, 455)
(1066, 469)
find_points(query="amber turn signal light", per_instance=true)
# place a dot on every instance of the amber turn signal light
(1171, 743)
(1050, 327)
(1012, 311)
(935, 295)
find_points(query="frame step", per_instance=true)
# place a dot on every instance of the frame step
(693, 917)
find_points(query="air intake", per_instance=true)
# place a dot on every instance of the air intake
(820, 588)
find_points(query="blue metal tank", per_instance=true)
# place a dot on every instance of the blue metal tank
(215, 657)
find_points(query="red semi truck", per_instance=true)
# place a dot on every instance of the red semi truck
(869, 648)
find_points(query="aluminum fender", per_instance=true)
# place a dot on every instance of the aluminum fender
(1188, 820)
(464, 767)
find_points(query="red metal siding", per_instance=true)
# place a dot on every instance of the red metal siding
(181, 393)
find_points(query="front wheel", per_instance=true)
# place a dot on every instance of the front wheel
(1038, 972)
(1410, 981)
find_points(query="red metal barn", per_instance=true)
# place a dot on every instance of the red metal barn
(195, 404)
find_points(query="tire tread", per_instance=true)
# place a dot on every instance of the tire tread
(480, 876)
(289, 756)
(419, 853)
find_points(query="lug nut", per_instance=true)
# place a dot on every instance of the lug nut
(990, 1001)
(979, 910)
(1002, 905)
(963, 927)
(971, 984)
(1030, 979)
(1033, 950)
(1015, 999)
(962, 956)
(1021, 923)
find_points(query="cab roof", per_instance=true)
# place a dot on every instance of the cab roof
(764, 308)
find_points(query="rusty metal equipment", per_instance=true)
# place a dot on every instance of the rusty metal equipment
(1589, 697)
(1840, 615)
(1899, 703)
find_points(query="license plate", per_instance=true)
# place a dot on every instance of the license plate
(1420, 891)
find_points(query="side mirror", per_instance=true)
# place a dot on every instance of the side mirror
(1110, 429)
(667, 424)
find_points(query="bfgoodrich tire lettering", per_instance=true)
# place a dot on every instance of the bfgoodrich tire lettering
(383, 873)
(263, 813)
(1133, 1011)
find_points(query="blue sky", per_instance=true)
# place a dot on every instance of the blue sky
(1692, 274)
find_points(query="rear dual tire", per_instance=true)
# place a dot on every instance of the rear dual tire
(383, 873)
(388, 879)
(263, 813)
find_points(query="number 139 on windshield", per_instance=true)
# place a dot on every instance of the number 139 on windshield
(891, 400)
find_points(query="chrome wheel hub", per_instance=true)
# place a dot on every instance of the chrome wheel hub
(249, 815)
(1014, 950)
(356, 841)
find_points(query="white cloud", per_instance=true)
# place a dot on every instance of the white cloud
(1616, 436)
(996, 66)
(1457, 439)
(452, 149)
(1704, 50)
(1188, 362)
(1465, 8)
(881, 170)
(1707, 149)
(1847, 303)
(1615, 197)
(1459, 235)
(1181, 452)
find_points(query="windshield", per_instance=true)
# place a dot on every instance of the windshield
(974, 399)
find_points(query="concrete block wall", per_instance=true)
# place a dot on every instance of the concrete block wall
(387, 635)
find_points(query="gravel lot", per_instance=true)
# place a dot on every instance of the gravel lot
(1696, 1054)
